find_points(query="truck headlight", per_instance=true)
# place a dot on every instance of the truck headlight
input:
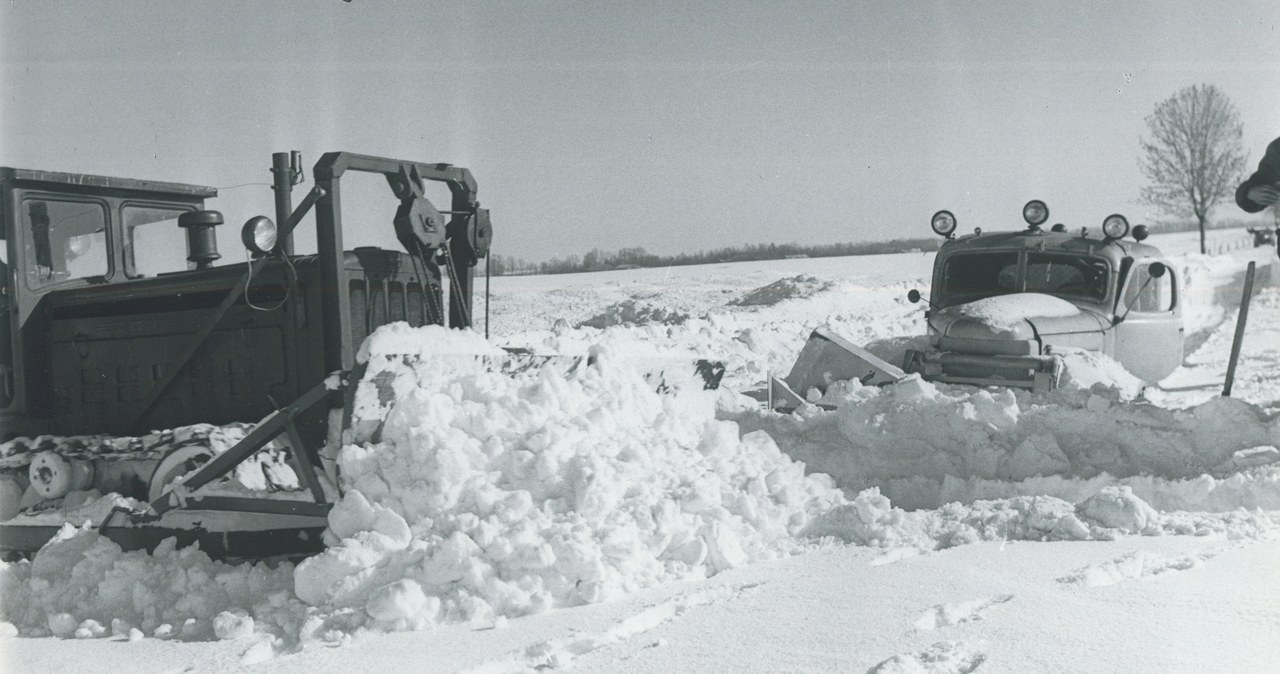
(943, 223)
(259, 235)
(1036, 213)
(1115, 226)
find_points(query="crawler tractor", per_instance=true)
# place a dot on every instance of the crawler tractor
(115, 320)
(1005, 305)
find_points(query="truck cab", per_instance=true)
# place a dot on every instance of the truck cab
(1003, 304)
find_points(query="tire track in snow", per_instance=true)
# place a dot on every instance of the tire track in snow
(559, 652)
(946, 615)
(944, 657)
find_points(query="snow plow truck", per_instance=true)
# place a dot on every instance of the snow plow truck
(1005, 305)
(114, 321)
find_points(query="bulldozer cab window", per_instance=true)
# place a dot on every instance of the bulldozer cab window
(153, 241)
(1148, 294)
(1067, 276)
(973, 276)
(66, 240)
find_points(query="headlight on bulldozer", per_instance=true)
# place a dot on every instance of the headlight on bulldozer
(943, 223)
(259, 235)
(1115, 226)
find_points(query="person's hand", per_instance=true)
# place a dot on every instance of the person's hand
(1263, 194)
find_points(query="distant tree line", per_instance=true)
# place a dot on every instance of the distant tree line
(628, 258)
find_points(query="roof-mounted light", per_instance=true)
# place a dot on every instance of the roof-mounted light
(1115, 226)
(943, 223)
(259, 235)
(1140, 233)
(1058, 228)
(1035, 213)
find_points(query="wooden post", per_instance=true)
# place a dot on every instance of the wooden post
(1241, 319)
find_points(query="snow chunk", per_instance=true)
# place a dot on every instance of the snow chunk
(397, 601)
(1118, 508)
(232, 625)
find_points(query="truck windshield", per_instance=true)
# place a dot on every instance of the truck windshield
(973, 276)
(68, 240)
(1067, 276)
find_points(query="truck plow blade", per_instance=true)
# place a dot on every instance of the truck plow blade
(827, 358)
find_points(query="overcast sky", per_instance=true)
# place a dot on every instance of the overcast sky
(672, 126)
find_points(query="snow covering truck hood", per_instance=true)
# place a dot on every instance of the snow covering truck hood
(1021, 322)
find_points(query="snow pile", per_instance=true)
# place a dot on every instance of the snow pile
(400, 340)
(801, 285)
(81, 585)
(633, 312)
(490, 495)
(909, 438)
(1084, 370)
(871, 519)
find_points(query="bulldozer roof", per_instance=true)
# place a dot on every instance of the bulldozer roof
(94, 183)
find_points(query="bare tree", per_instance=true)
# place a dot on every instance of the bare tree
(1194, 156)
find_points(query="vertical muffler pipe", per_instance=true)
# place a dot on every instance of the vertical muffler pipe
(282, 164)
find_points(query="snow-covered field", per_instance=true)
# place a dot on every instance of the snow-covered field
(581, 521)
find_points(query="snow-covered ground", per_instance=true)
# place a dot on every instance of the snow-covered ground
(581, 521)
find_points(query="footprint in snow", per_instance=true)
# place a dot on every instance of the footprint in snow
(1133, 566)
(944, 657)
(559, 652)
(945, 615)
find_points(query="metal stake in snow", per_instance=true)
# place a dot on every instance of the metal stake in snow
(1241, 319)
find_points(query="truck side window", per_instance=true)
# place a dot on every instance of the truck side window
(153, 241)
(1146, 293)
(68, 240)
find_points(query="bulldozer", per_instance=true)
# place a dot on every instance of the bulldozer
(155, 395)
(107, 332)
(1004, 306)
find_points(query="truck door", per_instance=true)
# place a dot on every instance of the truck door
(7, 380)
(1148, 339)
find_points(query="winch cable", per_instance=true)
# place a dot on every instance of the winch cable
(420, 265)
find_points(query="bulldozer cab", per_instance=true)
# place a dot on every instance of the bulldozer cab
(121, 316)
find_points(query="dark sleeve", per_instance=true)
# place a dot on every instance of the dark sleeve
(1243, 201)
(1268, 173)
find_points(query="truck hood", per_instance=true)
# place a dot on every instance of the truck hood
(1017, 317)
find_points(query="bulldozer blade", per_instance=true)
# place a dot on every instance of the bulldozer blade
(223, 535)
(827, 358)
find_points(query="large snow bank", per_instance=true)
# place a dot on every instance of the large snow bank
(871, 519)
(501, 496)
(912, 437)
